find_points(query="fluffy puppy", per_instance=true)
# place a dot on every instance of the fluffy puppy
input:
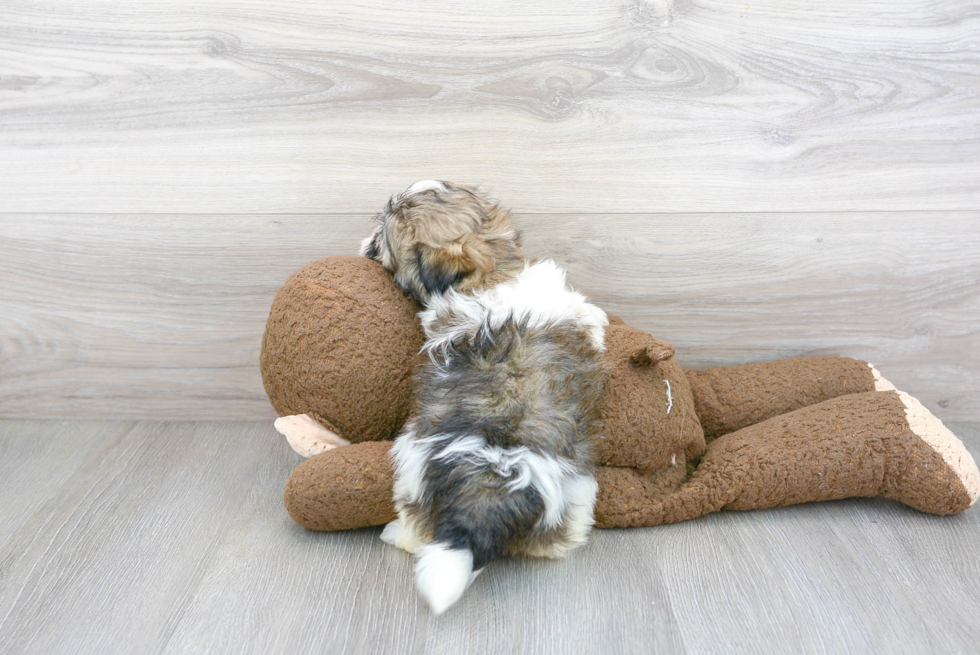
(497, 458)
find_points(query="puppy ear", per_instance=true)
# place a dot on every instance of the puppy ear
(441, 268)
(370, 247)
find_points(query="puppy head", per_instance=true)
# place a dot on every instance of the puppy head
(437, 235)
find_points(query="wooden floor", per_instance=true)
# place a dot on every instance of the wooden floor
(156, 537)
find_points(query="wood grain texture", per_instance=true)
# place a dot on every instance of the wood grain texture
(110, 562)
(635, 106)
(172, 538)
(896, 289)
(161, 316)
(36, 461)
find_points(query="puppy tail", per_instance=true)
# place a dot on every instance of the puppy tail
(442, 574)
(469, 534)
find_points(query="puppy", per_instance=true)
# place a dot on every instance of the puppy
(497, 457)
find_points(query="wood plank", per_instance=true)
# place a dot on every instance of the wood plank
(898, 290)
(851, 576)
(655, 105)
(110, 564)
(350, 593)
(147, 317)
(36, 460)
(933, 562)
(161, 316)
(812, 579)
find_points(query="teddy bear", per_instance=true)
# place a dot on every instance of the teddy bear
(342, 344)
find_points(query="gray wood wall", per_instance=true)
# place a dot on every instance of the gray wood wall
(746, 180)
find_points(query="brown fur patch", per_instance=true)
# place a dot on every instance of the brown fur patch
(437, 238)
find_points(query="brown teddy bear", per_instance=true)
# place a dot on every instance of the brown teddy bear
(342, 343)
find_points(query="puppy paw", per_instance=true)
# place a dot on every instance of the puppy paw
(306, 436)
(392, 533)
(397, 535)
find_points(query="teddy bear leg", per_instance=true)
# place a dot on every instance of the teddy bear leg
(877, 443)
(929, 464)
(868, 444)
(629, 498)
(306, 436)
(731, 398)
(343, 488)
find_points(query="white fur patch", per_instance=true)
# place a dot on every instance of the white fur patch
(442, 574)
(538, 296)
(409, 455)
(392, 534)
(400, 533)
(425, 185)
(471, 448)
(580, 495)
(554, 478)
(551, 477)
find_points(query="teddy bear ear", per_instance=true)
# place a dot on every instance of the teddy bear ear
(652, 353)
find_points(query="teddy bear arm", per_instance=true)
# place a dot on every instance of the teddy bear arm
(307, 436)
(730, 398)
